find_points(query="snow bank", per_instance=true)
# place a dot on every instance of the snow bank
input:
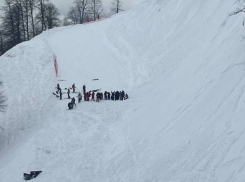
(182, 63)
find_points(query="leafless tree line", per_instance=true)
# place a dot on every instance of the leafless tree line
(88, 10)
(24, 19)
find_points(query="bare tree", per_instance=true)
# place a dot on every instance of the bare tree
(72, 17)
(47, 17)
(32, 5)
(19, 3)
(40, 17)
(81, 6)
(52, 16)
(2, 100)
(116, 6)
(95, 8)
(8, 24)
(12, 24)
(240, 9)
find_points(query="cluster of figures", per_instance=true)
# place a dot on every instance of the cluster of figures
(106, 96)
(116, 95)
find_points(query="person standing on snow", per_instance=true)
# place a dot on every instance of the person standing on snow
(61, 94)
(73, 101)
(120, 95)
(73, 87)
(97, 97)
(113, 95)
(84, 89)
(105, 95)
(123, 95)
(79, 97)
(68, 92)
(109, 95)
(93, 96)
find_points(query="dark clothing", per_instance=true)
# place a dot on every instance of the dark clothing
(73, 101)
(61, 94)
(113, 96)
(117, 95)
(123, 94)
(97, 97)
(120, 95)
(68, 93)
(79, 97)
(70, 105)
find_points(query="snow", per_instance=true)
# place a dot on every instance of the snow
(182, 64)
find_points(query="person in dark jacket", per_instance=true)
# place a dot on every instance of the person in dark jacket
(97, 97)
(123, 95)
(117, 95)
(58, 87)
(112, 95)
(79, 97)
(109, 95)
(101, 96)
(84, 89)
(120, 95)
(68, 93)
(73, 101)
(61, 94)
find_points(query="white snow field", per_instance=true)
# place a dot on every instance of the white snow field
(182, 62)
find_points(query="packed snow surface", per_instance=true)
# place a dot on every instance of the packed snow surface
(182, 64)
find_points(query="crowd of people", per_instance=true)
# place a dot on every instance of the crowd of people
(92, 95)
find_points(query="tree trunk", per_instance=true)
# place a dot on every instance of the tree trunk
(32, 18)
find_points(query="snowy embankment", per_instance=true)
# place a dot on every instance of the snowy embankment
(182, 63)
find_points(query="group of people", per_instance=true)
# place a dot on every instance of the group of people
(116, 95)
(90, 95)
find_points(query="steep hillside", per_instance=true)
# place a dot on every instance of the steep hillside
(182, 63)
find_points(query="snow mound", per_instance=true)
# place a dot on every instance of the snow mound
(182, 63)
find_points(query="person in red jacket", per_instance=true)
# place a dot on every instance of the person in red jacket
(85, 96)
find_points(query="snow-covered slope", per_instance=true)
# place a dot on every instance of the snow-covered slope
(182, 63)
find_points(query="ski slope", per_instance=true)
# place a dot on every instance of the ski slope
(182, 64)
